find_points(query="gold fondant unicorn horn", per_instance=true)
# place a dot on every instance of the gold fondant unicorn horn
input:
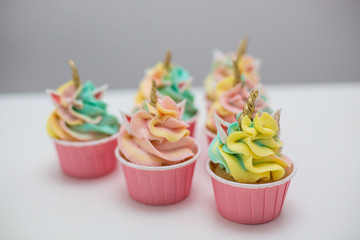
(75, 74)
(249, 108)
(237, 74)
(167, 60)
(242, 48)
(153, 97)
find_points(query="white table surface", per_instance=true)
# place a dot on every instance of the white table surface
(321, 131)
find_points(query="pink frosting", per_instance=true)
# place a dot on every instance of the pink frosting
(247, 65)
(233, 101)
(65, 100)
(157, 136)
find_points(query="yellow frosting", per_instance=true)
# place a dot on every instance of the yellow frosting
(156, 135)
(161, 115)
(156, 73)
(52, 126)
(80, 115)
(222, 69)
(253, 152)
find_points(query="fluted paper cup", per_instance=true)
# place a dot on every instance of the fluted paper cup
(161, 185)
(209, 135)
(87, 159)
(249, 203)
(192, 124)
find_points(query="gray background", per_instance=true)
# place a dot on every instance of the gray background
(114, 41)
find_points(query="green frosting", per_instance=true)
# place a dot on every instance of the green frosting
(176, 76)
(93, 108)
(252, 152)
(213, 151)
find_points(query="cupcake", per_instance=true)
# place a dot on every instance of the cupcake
(83, 132)
(173, 81)
(222, 67)
(250, 175)
(156, 152)
(231, 96)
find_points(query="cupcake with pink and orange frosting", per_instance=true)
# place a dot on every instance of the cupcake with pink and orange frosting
(222, 67)
(231, 95)
(157, 152)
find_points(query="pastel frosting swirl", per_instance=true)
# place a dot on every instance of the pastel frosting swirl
(156, 136)
(252, 153)
(222, 68)
(231, 100)
(80, 114)
(174, 83)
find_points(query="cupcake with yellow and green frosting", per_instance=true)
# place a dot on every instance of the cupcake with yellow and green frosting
(81, 120)
(246, 159)
(173, 81)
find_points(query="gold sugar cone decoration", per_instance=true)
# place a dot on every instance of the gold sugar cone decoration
(75, 74)
(167, 60)
(249, 108)
(237, 74)
(242, 48)
(153, 97)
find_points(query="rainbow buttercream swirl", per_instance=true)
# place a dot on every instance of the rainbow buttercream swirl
(156, 136)
(222, 68)
(230, 100)
(174, 83)
(80, 114)
(251, 153)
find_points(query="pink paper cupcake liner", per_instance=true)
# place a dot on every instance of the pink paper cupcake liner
(192, 124)
(87, 159)
(209, 135)
(158, 185)
(249, 203)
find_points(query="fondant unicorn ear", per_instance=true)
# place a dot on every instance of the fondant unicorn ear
(135, 109)
(55, 96)
(126, 121)
(100, 91)
(219, 55)
(276, 117)
(219, 123)
(142, 107)
(257, 64)
(181, 106)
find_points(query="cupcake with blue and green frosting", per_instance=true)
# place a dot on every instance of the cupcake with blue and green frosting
(80, 114)
(83, 131)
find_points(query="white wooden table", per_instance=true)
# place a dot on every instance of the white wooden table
(321, 131)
